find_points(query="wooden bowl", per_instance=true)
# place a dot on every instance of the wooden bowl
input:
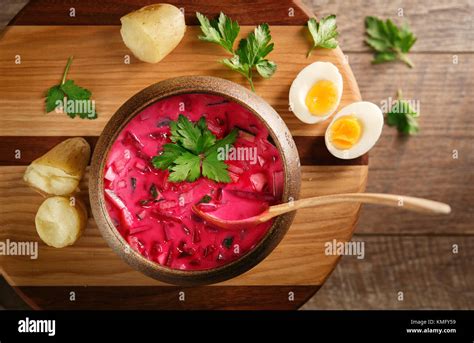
(194, 84)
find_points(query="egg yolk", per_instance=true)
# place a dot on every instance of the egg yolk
(321, 98)
(345, 132)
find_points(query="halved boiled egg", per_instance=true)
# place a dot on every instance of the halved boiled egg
(316, 92)
(354, 130)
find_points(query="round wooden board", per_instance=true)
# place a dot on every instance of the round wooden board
(43, 35)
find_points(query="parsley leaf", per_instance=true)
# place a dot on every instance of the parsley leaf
(227, 140)
(223, 31)
(265, 68)
(75, 92)
(189, 134)
(251, 51)
(256, 46)
(169, 154)
(195, 151)
(53, 95)
(403, 116)
(215, 169)
(68, 90)
(389, 41)
(187, 167)
(324, 33)
(193, 137)
(206, 141)
(251, 54)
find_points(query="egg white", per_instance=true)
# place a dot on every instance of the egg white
(302, 84)
(370, 117)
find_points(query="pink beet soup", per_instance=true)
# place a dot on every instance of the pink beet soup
(154, 215)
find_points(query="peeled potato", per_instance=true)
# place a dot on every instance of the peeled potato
(153, 31)
(60, 221)
(59, 171)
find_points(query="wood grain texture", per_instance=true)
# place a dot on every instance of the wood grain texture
(425, 17)
(424, 268)
(102, 70)
(298, 260)
(93, 65)
(8, 9)
(108, 12)
(311, 150)
(423, 165)
(364, 284)
(167, 297)
(441, 25)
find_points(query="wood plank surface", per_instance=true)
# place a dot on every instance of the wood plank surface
(424, 268)
(91, 12)
(440, 25)
(23, 150)
(444, 29)
(102, 70)
(138, 297)
(298, 260)
(105, 67)
(8, 9)
(423, 165)
(412, 253)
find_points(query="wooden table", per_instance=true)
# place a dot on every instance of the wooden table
(44, 34)
(404, 251)
(408, 253)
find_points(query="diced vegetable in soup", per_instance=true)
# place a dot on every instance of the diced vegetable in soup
(154, 214)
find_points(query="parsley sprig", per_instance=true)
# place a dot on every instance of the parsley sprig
(222, 31)
(194, 152)
(68, 89)
(389, 41)
(403, 116)
(324, 33)
(251, 51)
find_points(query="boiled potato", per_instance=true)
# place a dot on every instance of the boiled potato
(59, 171)
(60, 221)
(153, 31)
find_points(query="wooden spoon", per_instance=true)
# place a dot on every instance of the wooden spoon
(401, 201)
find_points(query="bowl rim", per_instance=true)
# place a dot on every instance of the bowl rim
(185, 85)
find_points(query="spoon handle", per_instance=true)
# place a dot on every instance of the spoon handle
(402, 201)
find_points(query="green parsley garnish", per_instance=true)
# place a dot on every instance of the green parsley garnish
(403, 116)
(324, 33)
(68, 89)
(153, 191)
(389, 41)
(251, 51)
(223, 31)
(194, 152)
(205, 199)
(227, 242)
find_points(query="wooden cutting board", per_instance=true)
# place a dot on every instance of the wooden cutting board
(42, 36)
